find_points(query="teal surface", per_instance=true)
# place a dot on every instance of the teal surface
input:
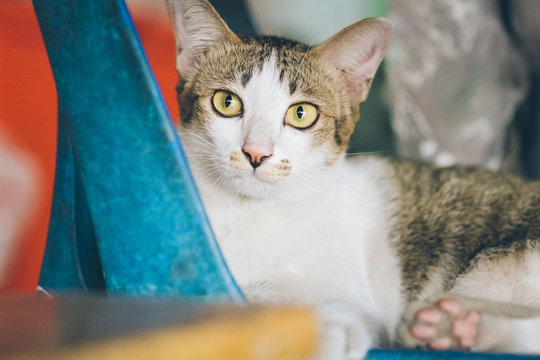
(440, 355)
(71, 260)
(126, 214)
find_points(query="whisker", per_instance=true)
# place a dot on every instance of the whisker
(188, 135)
(305, 54)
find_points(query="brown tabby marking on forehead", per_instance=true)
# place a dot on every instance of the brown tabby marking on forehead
(292, 86)
(246, 76)
(301, 71)
(450, 217)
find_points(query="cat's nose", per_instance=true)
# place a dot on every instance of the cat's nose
(256, 154)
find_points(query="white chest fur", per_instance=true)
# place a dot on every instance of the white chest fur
(331, 246)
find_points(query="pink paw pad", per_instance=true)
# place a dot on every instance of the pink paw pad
(461, 326)
(465, 329)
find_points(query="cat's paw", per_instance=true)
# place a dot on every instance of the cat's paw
(445, 324)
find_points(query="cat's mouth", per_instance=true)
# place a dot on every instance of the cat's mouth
(265, 177)
(257, 176)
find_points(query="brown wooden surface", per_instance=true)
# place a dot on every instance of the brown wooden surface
(113, 328)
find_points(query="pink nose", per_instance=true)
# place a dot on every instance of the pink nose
(256, 154)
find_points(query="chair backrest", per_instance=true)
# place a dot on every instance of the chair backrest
(126, 214)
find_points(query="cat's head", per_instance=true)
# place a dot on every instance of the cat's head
(264, 116)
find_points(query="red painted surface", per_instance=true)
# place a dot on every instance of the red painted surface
(28, 111)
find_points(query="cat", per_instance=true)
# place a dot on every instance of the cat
(388, 253)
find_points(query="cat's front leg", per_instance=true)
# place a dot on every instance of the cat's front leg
(453, 322)
(346, 332)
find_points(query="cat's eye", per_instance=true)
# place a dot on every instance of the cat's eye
(226, 103)
(302, 115)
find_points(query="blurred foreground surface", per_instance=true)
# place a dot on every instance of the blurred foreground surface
(120, 328)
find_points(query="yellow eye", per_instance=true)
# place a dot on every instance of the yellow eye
(226, 103)
(302, 115)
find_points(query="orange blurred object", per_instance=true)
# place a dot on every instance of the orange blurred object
(28, 112)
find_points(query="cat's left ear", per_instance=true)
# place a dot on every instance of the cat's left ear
(197, 26)
(357, 51)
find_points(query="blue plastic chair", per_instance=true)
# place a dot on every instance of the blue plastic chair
(126, 216)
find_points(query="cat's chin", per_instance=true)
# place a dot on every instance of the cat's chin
(258, 186)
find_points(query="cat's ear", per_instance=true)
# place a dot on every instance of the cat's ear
(197, 26)
(357, 51)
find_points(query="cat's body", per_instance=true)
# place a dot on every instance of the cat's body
(265, 124)
(379, 241)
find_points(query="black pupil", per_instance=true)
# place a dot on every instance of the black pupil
(228, 100)
(300, 112)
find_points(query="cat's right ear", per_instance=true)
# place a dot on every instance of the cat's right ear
(197, 26)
